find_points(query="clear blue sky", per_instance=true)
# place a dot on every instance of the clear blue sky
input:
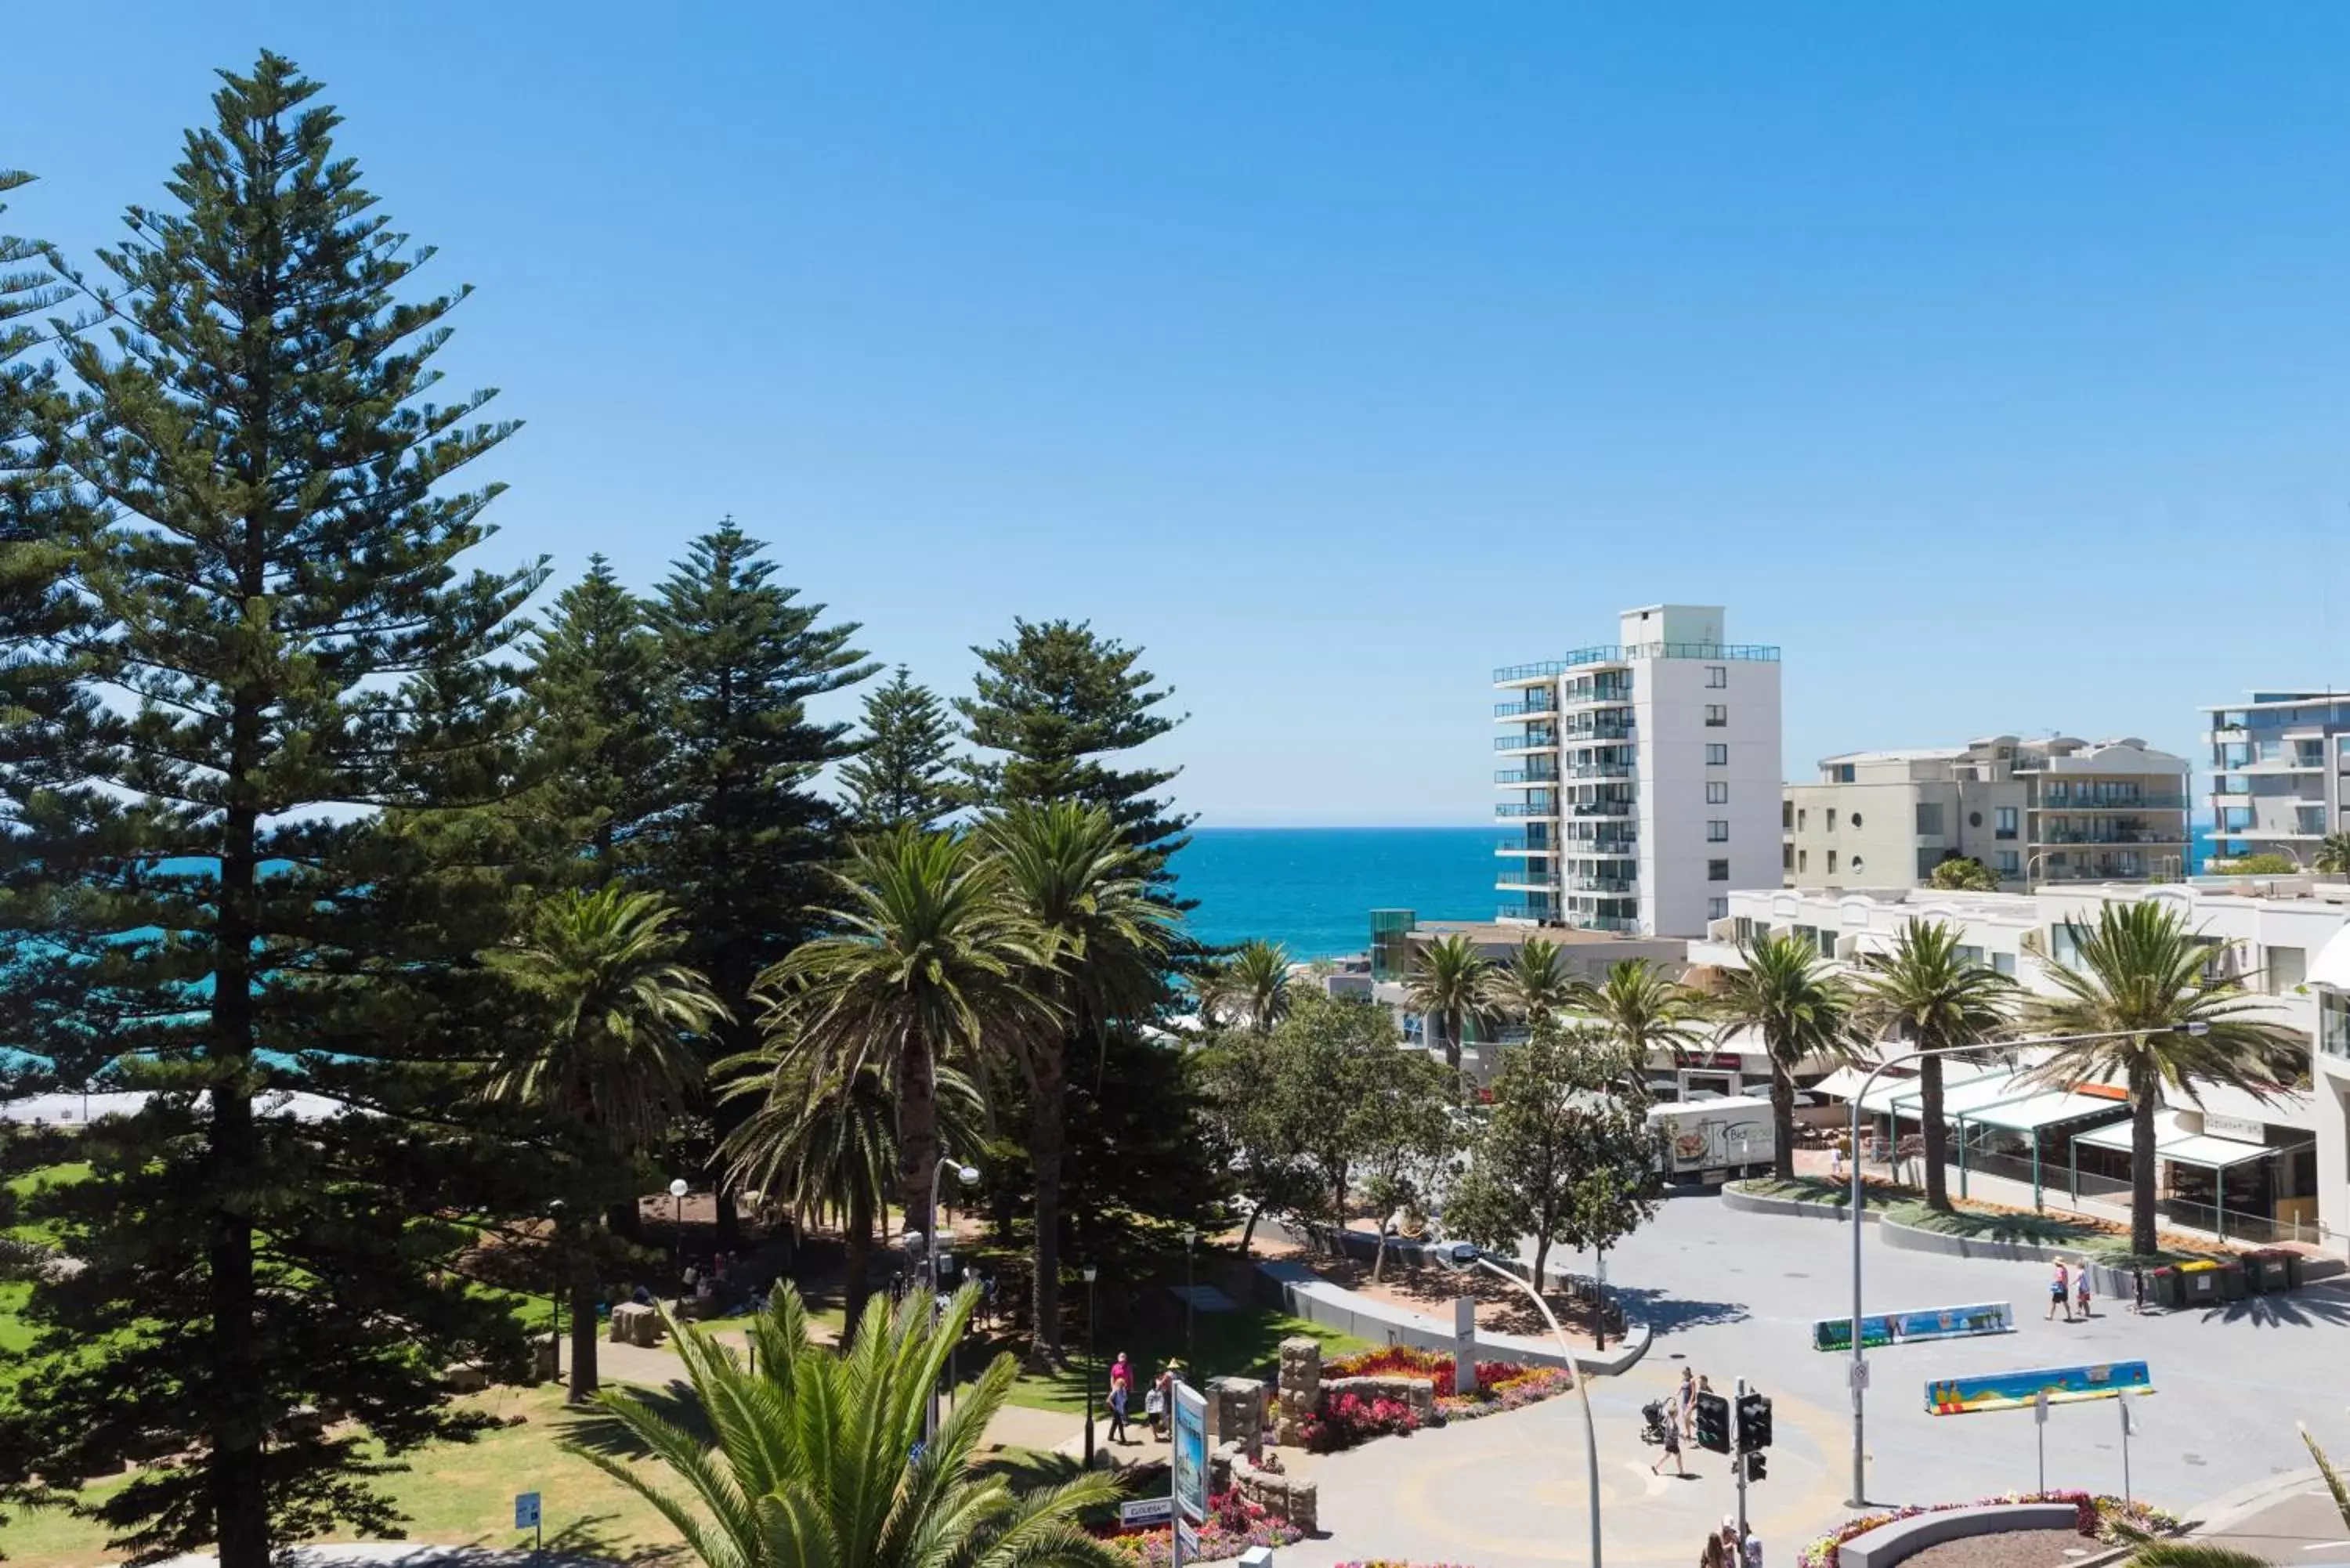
(1990, 358)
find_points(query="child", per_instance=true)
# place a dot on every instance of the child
(2081, 1288)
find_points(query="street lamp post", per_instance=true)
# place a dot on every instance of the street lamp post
(969, 1175)
(1089, 1270)
(1191, 1288)
(1461, 1255)
(1859, 1373)
(677, 1230)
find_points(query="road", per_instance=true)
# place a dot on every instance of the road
(1734, 1293)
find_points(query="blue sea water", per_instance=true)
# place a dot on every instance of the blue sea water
(1313, 888)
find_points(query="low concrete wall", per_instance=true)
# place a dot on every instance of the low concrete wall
(1760, 1203)
(1889, 1544)
(1301, 1292)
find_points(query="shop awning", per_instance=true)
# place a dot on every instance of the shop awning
(1844, 1082)
(2173, 1143)
(2045, 1107)
(1901, 1094)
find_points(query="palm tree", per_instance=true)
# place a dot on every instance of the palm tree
(1927, 996)
(1075, 879)
(1644, 1009)
(820, 1459)
(1784, 992)
(826, 1145)
(1448, 985)
(2139, 974)
(1252, 986)
(2333, 854)
(1534, 985)
(614, 1017)
(926, 959)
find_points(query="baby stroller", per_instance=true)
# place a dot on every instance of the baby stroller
(1652, 1421)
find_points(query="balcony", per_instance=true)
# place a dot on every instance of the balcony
(1525, 909)
(1626, 653)
(1608, 808)
(1510, 777)
(1528, 846)
(1532, 705)
(1620, 923)
(1532, 740)
(1539, 810)
(2108, 836)
(1526, 881)
(2052, 801)
(1618, 885)
(1587, 734)
(1597, 697)
(1626, 848)
(1600, 771)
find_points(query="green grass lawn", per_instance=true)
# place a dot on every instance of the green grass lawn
(32, 1181)
(454, 1493)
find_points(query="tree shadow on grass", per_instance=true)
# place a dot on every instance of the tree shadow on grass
(591, 1540)
(592, 1429)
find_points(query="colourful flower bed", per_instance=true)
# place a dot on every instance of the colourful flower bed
(1233, 1525)
(1501, 1385)
(1348, 1418)
(2094, 1516)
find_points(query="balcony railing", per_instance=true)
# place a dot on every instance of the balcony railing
(1527, 808)
(1508, 880)
(1611, 808)
(1528, 846)
(1625, 653)
(1600, 885)
(1581, 734)
(1526, 776)
(1520, 710)
(1624, 848)
(1525, 909)
(1600, 771)
(2055, 802)
(2109, 836)
(1605, 923)
(1532, 740)
(1597, 697)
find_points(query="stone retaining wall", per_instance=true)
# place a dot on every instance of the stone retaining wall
(1889, 1544)
(1297, 1289)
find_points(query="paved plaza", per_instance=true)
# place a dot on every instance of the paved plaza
(1735, 1295)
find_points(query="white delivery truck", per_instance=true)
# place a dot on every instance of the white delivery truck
(1712, 1140)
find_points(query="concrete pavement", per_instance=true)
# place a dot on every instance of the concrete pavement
(1731, 1293)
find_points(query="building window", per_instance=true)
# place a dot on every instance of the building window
(2333, 1021)
(1930, 820)
(1831, 819)
(1802, 860)
(2004, 827)
(1856, 865)
(2009, 863)
(1717, 714)
(2003, 963)
(1830, 861)
(1717, 754)
(1716, 676)
(1968, 953)
(2285, 969)
(1717, 909)
(1717, 870)
(1786, 857)
(1855, 819)
(1717, 794)
(1717, 831)
(1803, 818)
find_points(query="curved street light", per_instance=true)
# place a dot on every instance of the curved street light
(1859, 1374)
(1463, 1255)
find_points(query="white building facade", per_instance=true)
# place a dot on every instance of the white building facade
(2279, 1163)
(2280, 773)
(1639, 780)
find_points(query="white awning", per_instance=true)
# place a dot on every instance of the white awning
(1901, 1094)
(2048, 1107)
(1846, 1081)
(2172, 1142)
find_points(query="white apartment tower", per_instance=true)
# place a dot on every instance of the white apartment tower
(1639, 779)
(2280, 773)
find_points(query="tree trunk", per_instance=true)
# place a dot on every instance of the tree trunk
(1379, 1257)
(1938, 1131)
(1599, 1302)
(1782, 1121)
(856, 1263)
(1048, 1136)
(2145, 1097)
(1542, 1257)
(582, 1386)
(1450, 1024)
(237, 1415)
(918, 1131)
(1248, 1229)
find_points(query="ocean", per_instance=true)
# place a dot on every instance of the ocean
(1313, 888)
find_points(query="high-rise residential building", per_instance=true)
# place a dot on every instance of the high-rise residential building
(1639, 779)
(2055, 810)
(2280, 773)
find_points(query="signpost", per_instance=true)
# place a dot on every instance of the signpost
(1146, 1511)
(2016, 1390)
(2127, 1406)
(1908, 1327)
(527, 1517)
(2040, 1426)
(1189, 1479)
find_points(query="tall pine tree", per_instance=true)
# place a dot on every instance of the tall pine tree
(599, 695)
(1054, 703)
(742, 836)
(261, 527)
(902, 774)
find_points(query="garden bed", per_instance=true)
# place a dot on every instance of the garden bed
(1349, 1418)
(2095, 1517)
(1233, 1525)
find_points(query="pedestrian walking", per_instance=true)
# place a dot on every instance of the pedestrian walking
(2059, 1296)
(1751, 1549)
(1685, 1413)
(1121, 1390)
(2138, 1290)
(1154, 1404)
(1712, 1556)
(2081, 1287)
(1673, 1452)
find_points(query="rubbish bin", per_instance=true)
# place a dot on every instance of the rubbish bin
(2161, 1286)
(2268, 1271)
(2296, 1269)
(2232, 1281)
(2199, 1284)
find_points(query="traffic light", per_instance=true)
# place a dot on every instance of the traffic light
(1753, 1422)
(1713, 1423)
(1755, 1466)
